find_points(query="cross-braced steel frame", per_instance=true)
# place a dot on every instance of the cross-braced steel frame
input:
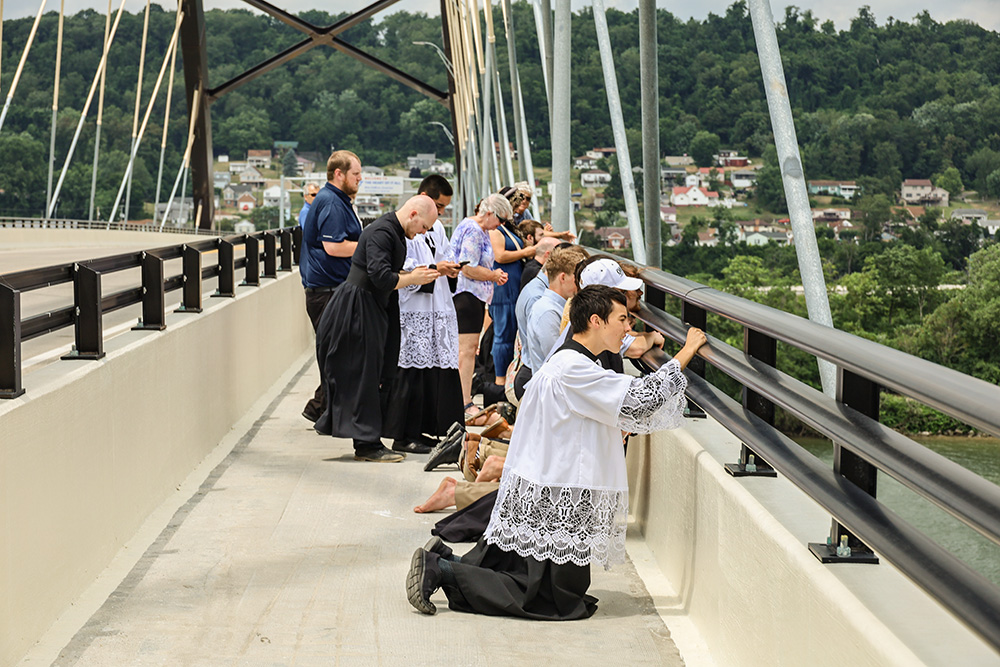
(196, 79)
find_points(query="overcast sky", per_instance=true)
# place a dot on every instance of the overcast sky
(984, 12)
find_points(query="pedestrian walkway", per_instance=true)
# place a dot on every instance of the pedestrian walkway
(292, 553)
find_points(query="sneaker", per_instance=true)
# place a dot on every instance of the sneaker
(436, 545)
(446, 451)
(411, 447)
(422, 580)
(380, 455)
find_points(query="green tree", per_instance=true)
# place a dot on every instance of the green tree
(289, 163)
(950, 180)
(250, 128)
(993, 183)
(703, 147)
(770, 191)
(876, 211)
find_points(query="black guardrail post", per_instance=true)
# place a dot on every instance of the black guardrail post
(153, 297)
(191, 263)
(286, 249)
(89, 320)
(270, 255)
(10, 342)
(227, 270)
(253, 262)
(696, 317)
(763, 348)
(861, 394)
(296, 244)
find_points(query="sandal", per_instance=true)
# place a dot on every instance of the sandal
(481, 418)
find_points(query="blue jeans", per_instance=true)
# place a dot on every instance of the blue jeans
(504, 332)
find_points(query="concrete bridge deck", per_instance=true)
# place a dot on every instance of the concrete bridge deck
(292, 553)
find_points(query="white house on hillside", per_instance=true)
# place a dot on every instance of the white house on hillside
(922, 191)
(595, 178)
(272, 197)
(688, 196)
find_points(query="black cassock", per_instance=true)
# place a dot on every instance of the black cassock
(357, 340)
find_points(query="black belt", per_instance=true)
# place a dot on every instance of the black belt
(319, 290)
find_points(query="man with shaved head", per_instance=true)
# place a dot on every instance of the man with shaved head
(357, 340)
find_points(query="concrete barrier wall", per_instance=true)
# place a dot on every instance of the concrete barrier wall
(735, 552)
(94, 446)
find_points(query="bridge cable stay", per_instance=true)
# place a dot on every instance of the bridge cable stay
(135, 116)
(55, 99)
(560, 116)
(459, 102)
(187, 155)
(618, 128)
(83, 114)
(793, 178)
(137, 139)
(100, 120)
(483, 109)
(20, 65)
(650, 122)
(508, 167)
(524, 166)
(166, 124)
(463, 54)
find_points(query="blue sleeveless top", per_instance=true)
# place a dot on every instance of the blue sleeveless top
(507, 293)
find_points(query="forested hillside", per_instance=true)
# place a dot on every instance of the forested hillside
(875, 103)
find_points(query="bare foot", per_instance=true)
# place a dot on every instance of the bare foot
(492, 469)
(440, 499)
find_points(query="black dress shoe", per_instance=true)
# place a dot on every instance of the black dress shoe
(411, 447)
(380, 455)
(422, 580)
(446, 451)
(436, 545)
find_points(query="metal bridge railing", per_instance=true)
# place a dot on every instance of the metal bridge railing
(862, 445)
(55, 223)
(280, 253)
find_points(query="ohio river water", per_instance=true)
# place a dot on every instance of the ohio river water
(980, 455)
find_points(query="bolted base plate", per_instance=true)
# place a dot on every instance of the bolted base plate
(10, 393)
(88, 356)
(740, 470)
(694, 412)
(149, 327)
(182, 309)
(219, 294)
(827, 554)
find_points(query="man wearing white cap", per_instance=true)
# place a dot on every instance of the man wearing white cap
(604, 271)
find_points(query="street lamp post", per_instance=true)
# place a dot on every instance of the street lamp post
(441, 55)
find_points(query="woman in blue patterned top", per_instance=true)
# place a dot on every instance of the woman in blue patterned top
(470, 246)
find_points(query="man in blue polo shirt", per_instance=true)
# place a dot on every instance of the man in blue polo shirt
(330, 234)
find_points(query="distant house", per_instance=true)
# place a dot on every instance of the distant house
(672, 173)
(303, 165)
(372, 171)
(729, 158)
(442, 168)
(421, 161)
(679, 160)
(688, 196)
(250, 176)
(743, 178)
(511, 150)
(827, 215)
(598, 153)
(181, 210)
(246, 202)
(232, 192)
(237, 167)
(922, 191)
(595, 178)
(272, 197)
(970, 215)
(668, 214)
(843, 189)
(259, 158)
(221, 179)
(368, 206)
(584, 162)
(614, 238)
(763, 238)
(244, 227)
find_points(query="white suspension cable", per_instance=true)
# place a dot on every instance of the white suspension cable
(187, 156)
(100, 118)
(145, 120)
(55, 101)
(20, 65)
(166, 123)
(138, 101)
(83, 114)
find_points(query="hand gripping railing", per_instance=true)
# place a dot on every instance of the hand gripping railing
(862, 445)
(90, 303)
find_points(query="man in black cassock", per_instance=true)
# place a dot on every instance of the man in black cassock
(357, 340)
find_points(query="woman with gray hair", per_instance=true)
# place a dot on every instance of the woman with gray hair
(471, 248)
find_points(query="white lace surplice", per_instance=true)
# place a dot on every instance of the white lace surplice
(564, 494)
(427, 322)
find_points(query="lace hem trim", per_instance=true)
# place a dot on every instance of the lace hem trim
(428, 339)
(562, 524)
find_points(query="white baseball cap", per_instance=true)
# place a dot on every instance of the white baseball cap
(608, 272)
